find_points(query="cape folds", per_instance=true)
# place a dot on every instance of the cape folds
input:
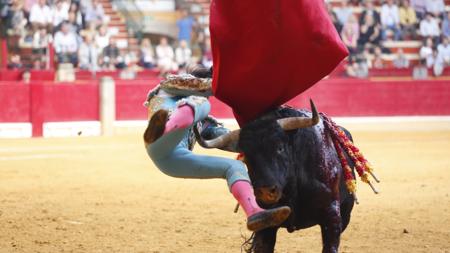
(267, 52)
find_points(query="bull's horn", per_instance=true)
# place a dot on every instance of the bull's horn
(300, 122)
(227, 142)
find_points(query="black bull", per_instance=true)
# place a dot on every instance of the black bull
(293, 164)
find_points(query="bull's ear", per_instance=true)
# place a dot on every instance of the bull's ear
(300, 122)
(228, 142)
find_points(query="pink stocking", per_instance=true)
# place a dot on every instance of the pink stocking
(243, 193)
(182, 117)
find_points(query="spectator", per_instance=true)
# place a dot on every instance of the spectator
(201, 43)
(390, 20)
(60, 13)
(37, 63)
(91, 30)
(125, 59)
(183, 54)
(444, 49)
(400, 61)
(147, 55)
(74, 26)
(344, 12)
(378, 58)
(350, 34)
(408, 20)
(197, 46)
(66, 45)
(14, 17)
(94, 12)
(40, 42)
(27, 5)
(334, 18)
(84, 5)
(357, 67)
(435, 7)
(75, 9)
(446, 25)
(442, 58)
(165, 55)
(355, 2)
(185, 25)
(131, 58)
(121, 60)
(369, 10)
(429, 27)
(110, 54)
(88, 55)
(15, 62)
(370, 33)
(366, 55)
(420, 7)
(426, 53)
(102, 38)
(26, 40)
(420, 72)
(207, 60)
(40, 15)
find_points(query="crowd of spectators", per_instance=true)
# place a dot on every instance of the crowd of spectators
(366, 25)
(80, 35)
(38, 23)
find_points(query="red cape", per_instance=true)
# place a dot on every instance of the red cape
(267, 52)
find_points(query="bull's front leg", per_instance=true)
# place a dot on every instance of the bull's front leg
(331, 227)
(264, 241)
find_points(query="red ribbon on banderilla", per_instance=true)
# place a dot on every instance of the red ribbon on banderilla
(343, 144)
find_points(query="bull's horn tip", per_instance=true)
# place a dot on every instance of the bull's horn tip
(315, 114)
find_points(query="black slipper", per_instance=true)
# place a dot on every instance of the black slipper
(268, 218)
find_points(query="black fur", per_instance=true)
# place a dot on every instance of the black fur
(202, 72)
(304, 164)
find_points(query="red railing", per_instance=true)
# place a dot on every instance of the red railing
(42, 101)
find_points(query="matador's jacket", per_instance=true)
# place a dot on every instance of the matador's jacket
(172, 152)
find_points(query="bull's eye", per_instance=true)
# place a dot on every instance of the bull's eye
(280, 150)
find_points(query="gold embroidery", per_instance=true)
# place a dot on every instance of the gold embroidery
(154, 105)
(186, 82)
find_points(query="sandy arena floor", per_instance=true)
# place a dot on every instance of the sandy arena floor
(99, 194)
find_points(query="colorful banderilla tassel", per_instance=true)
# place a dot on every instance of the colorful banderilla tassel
(362, 166)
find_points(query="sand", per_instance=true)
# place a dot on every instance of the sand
(98, 194)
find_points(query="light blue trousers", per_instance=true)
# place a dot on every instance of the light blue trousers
(171, 154)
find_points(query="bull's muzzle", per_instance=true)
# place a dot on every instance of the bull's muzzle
(268, 195)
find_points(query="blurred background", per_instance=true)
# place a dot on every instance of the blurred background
(80, 70)
(54, 53)
(399, 52)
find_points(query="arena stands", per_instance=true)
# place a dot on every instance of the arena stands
(384, 37)
(389, 35)
(86, 40)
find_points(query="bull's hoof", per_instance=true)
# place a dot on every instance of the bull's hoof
(268, 218)
(156, 126)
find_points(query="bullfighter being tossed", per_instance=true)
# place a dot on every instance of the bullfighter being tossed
(264, 55)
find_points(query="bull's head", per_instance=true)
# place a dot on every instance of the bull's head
(267, 152)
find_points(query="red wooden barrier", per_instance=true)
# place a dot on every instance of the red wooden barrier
(35, 75)
(353, 97)
(4, 53)
(40, 102)
(130, 99)
(14, 103)
(62, 102)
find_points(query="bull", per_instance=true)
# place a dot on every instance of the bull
(292, 161)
